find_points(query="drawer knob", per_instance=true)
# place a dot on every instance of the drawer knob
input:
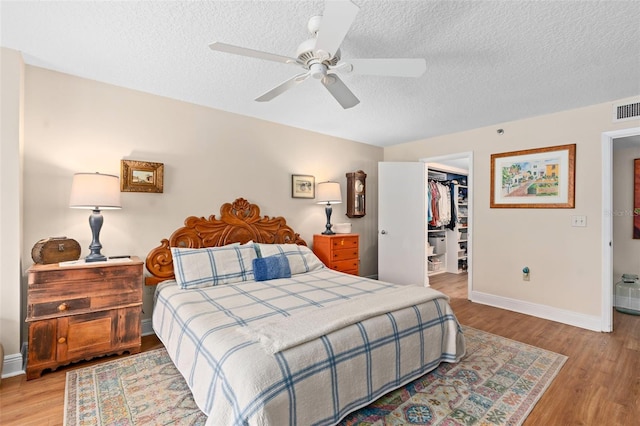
(62, 340)
(63, 307)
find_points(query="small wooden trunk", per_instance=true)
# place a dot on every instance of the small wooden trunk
(54, 250)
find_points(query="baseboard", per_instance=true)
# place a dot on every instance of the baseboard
(13, 366)
(147, 327)
(575, 319)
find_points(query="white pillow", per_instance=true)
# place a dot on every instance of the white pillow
(205, 267)
(301, 258)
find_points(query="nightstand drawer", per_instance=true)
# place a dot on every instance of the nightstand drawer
(345, 265)
(59, 307)
(339, 242)
(345, 254)
(69, 291)
(77, 275)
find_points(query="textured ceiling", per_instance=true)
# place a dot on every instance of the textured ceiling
(487, 61)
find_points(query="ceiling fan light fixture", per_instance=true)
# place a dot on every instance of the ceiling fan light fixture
(328, 80)
(344, 67)
(305, 50)
(318, 71)
(313, 26)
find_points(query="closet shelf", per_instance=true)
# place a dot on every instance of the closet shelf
(457, 238)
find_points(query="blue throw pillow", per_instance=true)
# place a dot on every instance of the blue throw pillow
(271, 267)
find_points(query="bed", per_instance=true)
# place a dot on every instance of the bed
(264, 334)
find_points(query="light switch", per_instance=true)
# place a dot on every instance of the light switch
(580, 221)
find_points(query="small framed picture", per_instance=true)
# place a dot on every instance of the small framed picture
(141, 176)
(303, 186)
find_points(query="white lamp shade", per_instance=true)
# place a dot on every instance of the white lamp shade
(95, 191)
(329, 193)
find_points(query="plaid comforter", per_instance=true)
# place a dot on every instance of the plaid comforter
(235, 381)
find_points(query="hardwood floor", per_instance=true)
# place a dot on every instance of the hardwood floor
(40, 402)
(598, 385)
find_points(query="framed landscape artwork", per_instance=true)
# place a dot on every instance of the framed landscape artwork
(303, 186)
(141, 176)
(534, 178)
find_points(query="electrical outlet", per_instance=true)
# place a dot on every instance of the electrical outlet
(579, 221)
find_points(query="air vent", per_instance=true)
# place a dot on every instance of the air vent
(626, 111)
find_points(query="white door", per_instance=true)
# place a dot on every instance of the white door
(402, 223)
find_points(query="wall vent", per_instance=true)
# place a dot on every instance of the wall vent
(626, 111)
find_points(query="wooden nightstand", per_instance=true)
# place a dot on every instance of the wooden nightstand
(82, 311)
(338, 252)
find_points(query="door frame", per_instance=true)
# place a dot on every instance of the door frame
(442, 159)
(608, 139)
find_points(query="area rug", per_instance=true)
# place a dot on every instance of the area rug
(498, 382)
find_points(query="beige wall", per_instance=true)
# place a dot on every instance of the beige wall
(626, 250)
(11, 88)
(210, 157)
(565, 261)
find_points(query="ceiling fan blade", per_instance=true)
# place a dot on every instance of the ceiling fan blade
(340, 91)
(243, 51)
(389, 67)
(336, 21)
(283, 87)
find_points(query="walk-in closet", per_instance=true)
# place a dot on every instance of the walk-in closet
(448, 220)
(424, 219)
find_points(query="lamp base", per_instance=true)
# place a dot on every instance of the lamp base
(95, 222)
(328, 230)
(95, 257)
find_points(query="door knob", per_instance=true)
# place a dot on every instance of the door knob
(383, 232)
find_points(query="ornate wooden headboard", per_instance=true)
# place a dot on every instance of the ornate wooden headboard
(239, 222)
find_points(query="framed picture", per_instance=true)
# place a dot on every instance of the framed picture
(534, 178)
(141, 176)
(303, 186)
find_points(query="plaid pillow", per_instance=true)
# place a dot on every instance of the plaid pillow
(206, 267)
(301, 258)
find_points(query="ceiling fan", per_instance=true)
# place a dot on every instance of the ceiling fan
(320, 57)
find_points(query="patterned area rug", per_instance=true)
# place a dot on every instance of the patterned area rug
(497, 383)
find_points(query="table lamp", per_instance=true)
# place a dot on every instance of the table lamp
(329, 193)
(97, 192)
